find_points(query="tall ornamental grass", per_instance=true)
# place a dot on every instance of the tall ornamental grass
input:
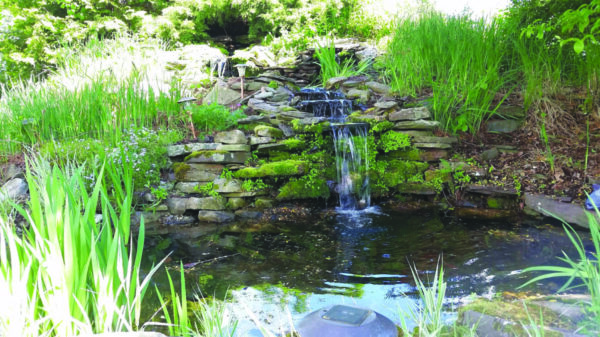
(69, 274)
(35, 113)
(458, 58)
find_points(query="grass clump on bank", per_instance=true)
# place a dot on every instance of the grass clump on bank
(69, 274)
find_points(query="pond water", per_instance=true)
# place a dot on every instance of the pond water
(363, 258)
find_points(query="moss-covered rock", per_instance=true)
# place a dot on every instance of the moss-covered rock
(268, 131)
(401, 171)
(263, 203)
(299, 189)
(217, 157)
(274, 169)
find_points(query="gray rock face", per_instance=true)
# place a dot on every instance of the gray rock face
(236, 203)
(417, 125)
(267, 131)
(281, 95)
(215, 216)
(570, 213)
(231, 137)
(13, 189)
(177, 206)
(367, 53)
(411, 114)
(294, 114)
(490, 154)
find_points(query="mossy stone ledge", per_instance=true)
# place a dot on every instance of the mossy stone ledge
(274, 169)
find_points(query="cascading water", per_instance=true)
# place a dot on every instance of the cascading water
(350, 145)
(352, 163)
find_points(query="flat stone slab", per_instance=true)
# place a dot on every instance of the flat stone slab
(432, 145)
(206, 203)
(295, 114)
(215, 216)
(416, 125)
(411, 114)
(570, 213)
(491, 190)
(197, 172)
(261, 106)
(185, 149)
(218, 157)
(433, 139)
(312, 120)
(254, 119)
(334, 81)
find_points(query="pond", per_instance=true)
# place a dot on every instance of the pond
(364, 258)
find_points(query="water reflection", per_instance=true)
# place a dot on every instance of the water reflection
(362, 258)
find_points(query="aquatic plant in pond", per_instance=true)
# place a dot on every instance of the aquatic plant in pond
(584, 268)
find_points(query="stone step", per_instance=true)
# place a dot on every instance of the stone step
(197, 172)
(411, 114)
(185, 149)
(416, 125)
(218, 157)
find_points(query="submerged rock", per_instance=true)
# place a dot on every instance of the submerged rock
(215, 216)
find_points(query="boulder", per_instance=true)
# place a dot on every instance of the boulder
(15, 188)
(263, 203)
(206, 203)
(236, 203)
(362, 95)
(385, 105)
(379, 88)
(267, 131)
(231, 137)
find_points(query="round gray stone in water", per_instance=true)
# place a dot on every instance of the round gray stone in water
(346, 321)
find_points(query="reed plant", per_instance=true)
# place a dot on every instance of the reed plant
(332, 66)
(428, 315)
(34, 113)
(580, 271)
(456, 57)
(204, 318)
(68, 273)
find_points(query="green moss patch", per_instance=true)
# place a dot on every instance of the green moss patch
(298, 189)
(180, 170)
(274, 169)
(268, 131)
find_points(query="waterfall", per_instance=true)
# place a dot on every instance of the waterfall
(350, 145)
(352, 163)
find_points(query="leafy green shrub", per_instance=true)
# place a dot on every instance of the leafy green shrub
(215, 117)
(393, 140)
